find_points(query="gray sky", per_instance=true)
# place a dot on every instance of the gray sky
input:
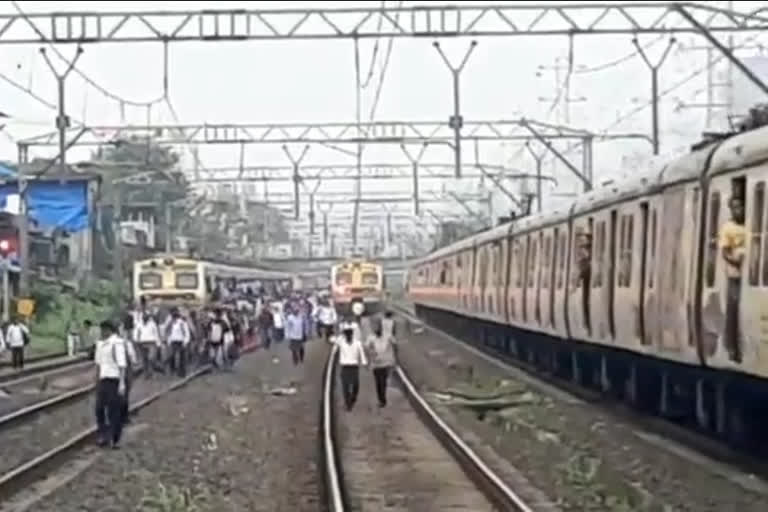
(291, 81)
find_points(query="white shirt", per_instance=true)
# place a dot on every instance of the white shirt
(326, 315)
(14, 336)
(350, 354)
(110, 357)
(179, 332)
(147, 332)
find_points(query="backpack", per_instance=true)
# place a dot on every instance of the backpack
(217, 332)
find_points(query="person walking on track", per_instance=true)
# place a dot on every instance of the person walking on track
(132, 362)
(216, 329)
(147, 337)
(111, 366)
(381, 348)
(294, 331)
(351, 358)
(325, 314)
(178, 339)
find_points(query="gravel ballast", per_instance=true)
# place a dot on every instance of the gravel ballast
(228, 441)
(583, 458)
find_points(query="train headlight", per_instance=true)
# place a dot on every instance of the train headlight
(358, 308)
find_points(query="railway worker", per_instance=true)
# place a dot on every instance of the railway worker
(733, 238)
(178, 340)
(326, 319)
(17, 337)
(111, 368)
(147, 336)
(294, 332)
(351, 358)
(381, 349)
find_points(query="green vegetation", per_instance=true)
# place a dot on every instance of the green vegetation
(164, 498)
(57, 310)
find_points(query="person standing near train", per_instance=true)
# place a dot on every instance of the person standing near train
(733, 239)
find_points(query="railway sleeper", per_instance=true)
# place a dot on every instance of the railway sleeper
(730, 408)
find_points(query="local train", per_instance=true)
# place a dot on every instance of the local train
(169, 278)
(654, 289)
(357, 286)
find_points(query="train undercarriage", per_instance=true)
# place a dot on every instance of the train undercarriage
(724, 405)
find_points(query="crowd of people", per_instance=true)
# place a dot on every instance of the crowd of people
(170, 340)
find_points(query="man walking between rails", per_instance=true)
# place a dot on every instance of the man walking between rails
(381, 347)
(294, 331)
(351, 358)
(111, 368)
(178, 339)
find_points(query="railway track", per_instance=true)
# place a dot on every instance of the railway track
(438, 449)
(42, 367)
(23, 467)
(671, 436)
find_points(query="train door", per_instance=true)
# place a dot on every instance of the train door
(753, 324)
(601, 277)
(559, 283)
(580, 279)
(489, 289)
(528, 275)
(733, 328)
(631, 218)
(674, 249)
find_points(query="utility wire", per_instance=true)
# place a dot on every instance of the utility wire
(369, 76)
(80, 73)
(620, 60)
(384, 67)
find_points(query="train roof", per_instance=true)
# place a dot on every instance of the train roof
(744, 150)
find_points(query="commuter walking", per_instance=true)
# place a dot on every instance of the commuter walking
(111, 363)
(147, 336)
(351, 358)
(216, 329)
(381, 348)
(178, 339)
(17, 337)
(325, 315)
(265, 323)
(294, 331)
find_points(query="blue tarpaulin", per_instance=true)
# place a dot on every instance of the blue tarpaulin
(6, 172)
(53, 203)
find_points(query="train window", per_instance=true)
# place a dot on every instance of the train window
(712, 242)
(150, 281)
(532, 263)
(546, 261)
(652, 255)
(561, 263)
(343, 278)
(625, 251)
(370, 278)
(599, 253)
(186, 281)
(756, 239)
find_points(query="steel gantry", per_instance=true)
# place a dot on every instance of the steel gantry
(406, 134)
(433, 21)
(481, 20)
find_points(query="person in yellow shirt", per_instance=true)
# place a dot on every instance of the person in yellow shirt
(733, 237)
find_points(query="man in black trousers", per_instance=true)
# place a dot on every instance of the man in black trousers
(111, 367)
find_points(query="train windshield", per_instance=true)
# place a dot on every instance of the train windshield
(370, 278)
(186, 281)
(343, 278)
(150, 281)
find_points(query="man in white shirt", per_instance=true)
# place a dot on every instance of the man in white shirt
(16, 337)
(111, 365)
(351, 358)
(147, 336)
(178, 339)
(325, 314)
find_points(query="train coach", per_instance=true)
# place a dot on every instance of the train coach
(654, 289)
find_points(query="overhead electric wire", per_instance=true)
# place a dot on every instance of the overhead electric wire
(82, 74)
(384, 68)
(620, 60)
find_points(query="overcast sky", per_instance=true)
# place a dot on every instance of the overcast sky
(314, 81)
